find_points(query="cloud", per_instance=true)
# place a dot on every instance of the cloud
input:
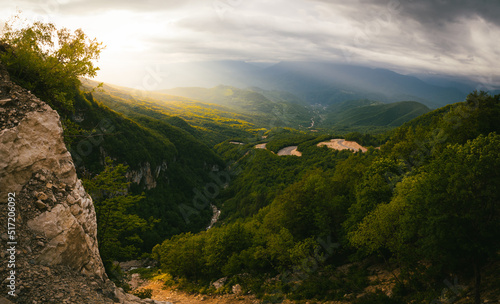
(95, 6)
(439, 36)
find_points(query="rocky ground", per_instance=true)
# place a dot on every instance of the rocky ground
(48, 250)
(178, 297)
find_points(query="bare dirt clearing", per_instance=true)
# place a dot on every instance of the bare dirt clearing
(292, 150)
(178, 297)
(342, 144)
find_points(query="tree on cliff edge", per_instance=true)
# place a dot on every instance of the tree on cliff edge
(48, 61)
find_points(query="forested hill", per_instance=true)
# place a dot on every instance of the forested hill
(165, 161)
(397, 223)
(208, 122)
(372, 113)
(139, 170)
(253, 100)
(322, 82)
(217, 114)
(423, 207)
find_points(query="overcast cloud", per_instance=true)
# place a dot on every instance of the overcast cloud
(458, 37)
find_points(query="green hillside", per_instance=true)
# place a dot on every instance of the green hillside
(274, 109)
(394, 224)
(178, 162)
(208, 122)
(288, 223)
(373, 113)
(159, 156)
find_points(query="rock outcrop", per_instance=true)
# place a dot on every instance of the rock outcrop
(52, 235)
(144, 175)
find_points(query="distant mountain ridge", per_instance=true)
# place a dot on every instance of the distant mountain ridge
(281, 108)
(350, 113)
(328, 83)
(320, 82)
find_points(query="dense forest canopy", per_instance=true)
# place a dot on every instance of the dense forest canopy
(426, 203)
(422, 201)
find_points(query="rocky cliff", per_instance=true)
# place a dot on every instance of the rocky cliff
(49, 231)
(145, 175)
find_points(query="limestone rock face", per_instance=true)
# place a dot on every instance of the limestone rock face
(35, 143)
(56, 252)
(70, 229)
(55, 221)
(146, 175)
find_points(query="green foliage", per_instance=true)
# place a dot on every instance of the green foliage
(426, 201)
(182, 255)
(442, 210)
(263, 175)
(49, 61)
(210, 123)
(118, 228)
(115, 274)
(306, 208)
(267, 109)
(373, 113)
(178, 162)
(366, 139)
(72, 131)
(283, 137)
(375, 188)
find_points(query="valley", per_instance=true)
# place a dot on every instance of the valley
(285, 182)
(281, 187)
(273, 211)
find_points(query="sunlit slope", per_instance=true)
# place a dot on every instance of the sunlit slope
(373, 113)
(210, 122)
(165, 162)
(287, 108)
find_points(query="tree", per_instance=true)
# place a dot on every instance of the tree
(447, 214)
(117, 229)
(376, 187)
(49, 61)
(182, 255)
(223, 243)
(306, 208)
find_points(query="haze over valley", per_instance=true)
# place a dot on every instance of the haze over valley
(231, 151)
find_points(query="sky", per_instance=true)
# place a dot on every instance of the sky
(452, 37)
